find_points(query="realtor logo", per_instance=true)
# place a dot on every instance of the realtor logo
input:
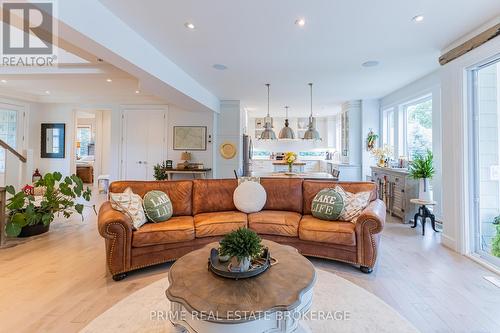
(28, 33)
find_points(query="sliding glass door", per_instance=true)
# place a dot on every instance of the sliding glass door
(485, 160)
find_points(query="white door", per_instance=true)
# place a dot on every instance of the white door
(144, 143)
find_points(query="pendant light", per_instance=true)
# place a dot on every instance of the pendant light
(286, 132)
(268, 133)
(311, 133)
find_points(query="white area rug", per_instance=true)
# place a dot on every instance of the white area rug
(367, 313)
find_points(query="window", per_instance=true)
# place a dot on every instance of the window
(418, 127)
(389, 129)
(8, 130)
(84, 140)
(407, 128)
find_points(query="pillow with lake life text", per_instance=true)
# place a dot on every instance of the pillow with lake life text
(328, 205)
(354, 204)
(157, 206)
(130, 204)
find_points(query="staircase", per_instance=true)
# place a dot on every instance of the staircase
(17, 173)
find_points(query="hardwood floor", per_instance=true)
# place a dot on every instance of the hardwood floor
(58, 282)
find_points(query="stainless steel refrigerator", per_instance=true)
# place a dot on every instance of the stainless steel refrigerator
(247, 155)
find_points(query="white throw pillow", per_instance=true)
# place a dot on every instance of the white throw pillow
(131, 204)
(249, 197)
(354, 204)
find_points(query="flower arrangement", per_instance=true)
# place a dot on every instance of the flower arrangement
(382, 153)
(290, 157)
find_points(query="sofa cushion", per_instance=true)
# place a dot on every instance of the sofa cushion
(213, 195)
(219, 223)
(157, 206)
(179, 192)
(176, 229)
(311, 187)
(332, 232)
(283, 194)
(273, 222)
(130, 204)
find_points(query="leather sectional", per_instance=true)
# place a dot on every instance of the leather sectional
(203, 211)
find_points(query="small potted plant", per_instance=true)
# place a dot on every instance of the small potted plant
(422, 169)
(290, 158)
(371, 139)
(29, 215)
(241, 246)
(160, 171)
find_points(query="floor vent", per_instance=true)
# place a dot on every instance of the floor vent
(494, 280)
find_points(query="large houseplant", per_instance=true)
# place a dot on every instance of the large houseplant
(422, 169)
(29, 215)
(242, 246)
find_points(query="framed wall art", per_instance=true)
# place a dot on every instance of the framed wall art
(190, 138)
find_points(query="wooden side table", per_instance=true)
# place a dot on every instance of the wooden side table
(424, 213)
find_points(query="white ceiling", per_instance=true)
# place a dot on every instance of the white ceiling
(259, 42)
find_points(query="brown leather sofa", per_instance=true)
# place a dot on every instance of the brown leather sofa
(203, 211)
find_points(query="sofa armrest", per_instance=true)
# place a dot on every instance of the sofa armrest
(116, 228)
(368, 227)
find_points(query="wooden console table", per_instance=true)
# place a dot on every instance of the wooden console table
(201, 173)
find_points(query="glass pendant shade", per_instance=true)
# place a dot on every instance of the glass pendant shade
(268, 133)
(311, 133)
(286, 132)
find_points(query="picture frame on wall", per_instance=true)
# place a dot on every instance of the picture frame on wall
(53, 138)
(190, 138)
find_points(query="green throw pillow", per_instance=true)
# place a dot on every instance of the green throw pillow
(157, 206)
(328, 204)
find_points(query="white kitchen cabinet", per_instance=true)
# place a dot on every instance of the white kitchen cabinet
(262, 166)
(311, 166)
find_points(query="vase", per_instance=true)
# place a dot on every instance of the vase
(424, 189)
(33, 230)
(240, 265)
(290, 167)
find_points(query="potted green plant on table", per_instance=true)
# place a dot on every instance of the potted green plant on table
(29, 215)
(422, 169)
(160, 171)
(241, 246)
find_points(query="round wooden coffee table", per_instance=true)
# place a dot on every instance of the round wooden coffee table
(274, 301)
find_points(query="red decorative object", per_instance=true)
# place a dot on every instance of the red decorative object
(29, 190)
(36, 176)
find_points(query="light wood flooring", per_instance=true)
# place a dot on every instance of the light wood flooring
(58, 282)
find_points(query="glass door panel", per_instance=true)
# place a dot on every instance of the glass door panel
(486, 116)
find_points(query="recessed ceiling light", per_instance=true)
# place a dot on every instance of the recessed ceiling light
(370, 63)
(109, 80)
(47, 92)
(189, 25)
(418, 18)
(3, 81)
(220, 67)
(137, 91)
(300, 22)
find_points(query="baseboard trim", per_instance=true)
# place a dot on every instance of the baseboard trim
(449, 242)
(483, 263)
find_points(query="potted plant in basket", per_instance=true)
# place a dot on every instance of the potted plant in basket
(29, 215)
(422, 169)
(242, 246)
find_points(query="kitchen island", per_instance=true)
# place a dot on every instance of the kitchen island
(303, 175)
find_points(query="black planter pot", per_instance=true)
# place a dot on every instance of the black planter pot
(33, 230)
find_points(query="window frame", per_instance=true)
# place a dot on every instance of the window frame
(404, 112)
(89, 126)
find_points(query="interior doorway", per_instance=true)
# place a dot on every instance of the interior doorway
(89, 145)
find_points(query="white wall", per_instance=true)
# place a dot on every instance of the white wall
(228, 129)
(179, 117)
(111, 138)
(429, 84)
(370, 120)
